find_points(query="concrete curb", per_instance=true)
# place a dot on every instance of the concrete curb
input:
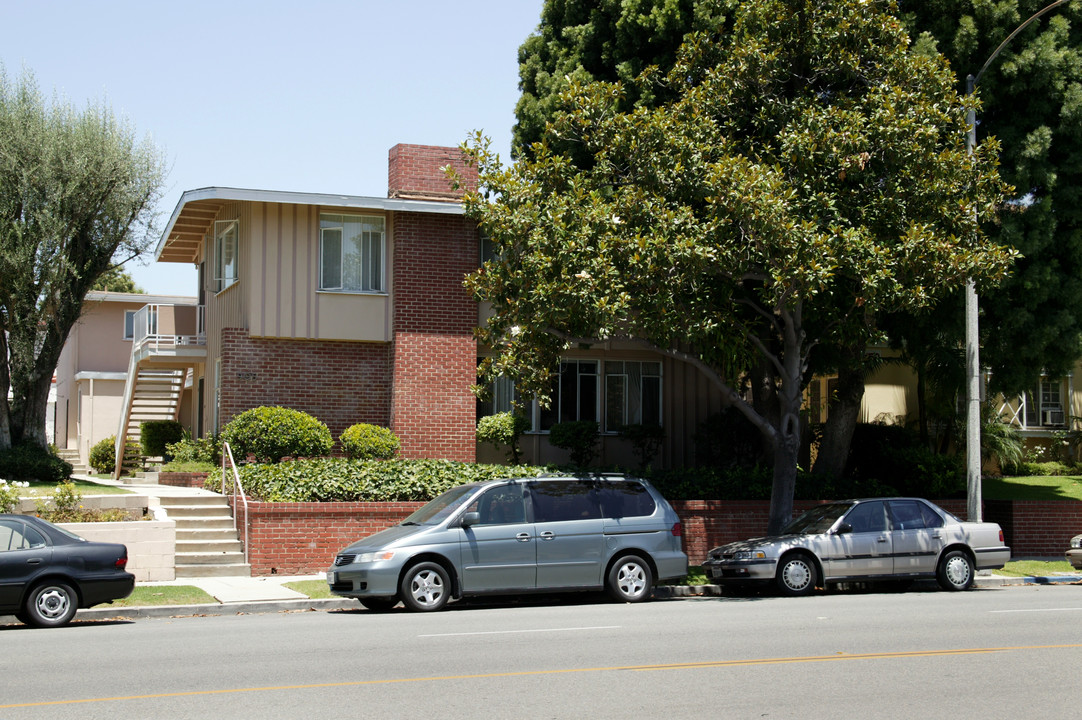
(661, 592)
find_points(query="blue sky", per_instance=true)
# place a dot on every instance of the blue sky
(275, 95)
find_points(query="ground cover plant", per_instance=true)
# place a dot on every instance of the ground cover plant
(166, 595)
(341, 479)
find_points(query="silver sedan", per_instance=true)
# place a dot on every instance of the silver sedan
(862, 540)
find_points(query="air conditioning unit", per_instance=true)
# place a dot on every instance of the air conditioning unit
(1051, 417)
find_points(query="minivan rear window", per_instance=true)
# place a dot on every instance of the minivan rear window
(626, 499)
(558, 501)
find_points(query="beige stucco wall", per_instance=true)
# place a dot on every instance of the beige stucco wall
(151, 545)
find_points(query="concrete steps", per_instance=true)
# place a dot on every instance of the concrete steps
(207, 543)
(71, 455)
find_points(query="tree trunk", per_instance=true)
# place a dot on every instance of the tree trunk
(5, 385)
(28, 422)
(784, 486)
(842, 416)
(765, 400)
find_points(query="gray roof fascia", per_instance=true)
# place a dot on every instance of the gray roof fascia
(359, 202)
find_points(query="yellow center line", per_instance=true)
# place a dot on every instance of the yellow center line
(524, 673)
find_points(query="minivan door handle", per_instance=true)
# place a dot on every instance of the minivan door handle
(522, 537)
(547, 535)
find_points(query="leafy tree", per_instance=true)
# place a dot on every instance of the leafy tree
(117, 279)
(808, 172)
(76, 191)
(1031, 100)
(608, 40)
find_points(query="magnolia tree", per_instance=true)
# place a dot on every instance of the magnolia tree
(808, 173)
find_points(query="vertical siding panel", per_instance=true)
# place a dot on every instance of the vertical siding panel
(256, 279)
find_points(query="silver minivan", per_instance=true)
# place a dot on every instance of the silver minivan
(518, 536)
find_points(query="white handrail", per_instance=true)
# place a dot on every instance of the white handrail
(227, 452)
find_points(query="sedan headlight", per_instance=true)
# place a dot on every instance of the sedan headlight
(374, 556)
(749, 555)
(1076, 541)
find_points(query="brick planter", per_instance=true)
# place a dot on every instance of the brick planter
(302, 538)
(183, 479)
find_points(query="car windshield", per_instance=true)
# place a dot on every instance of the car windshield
(817, 520)
(436, 511)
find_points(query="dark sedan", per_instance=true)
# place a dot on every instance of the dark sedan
(47, 573)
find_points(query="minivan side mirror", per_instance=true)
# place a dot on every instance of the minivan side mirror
(470, 518)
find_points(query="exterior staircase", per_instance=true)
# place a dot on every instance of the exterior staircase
(71, 455)
(207, 543)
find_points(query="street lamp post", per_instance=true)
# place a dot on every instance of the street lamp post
(973, 368)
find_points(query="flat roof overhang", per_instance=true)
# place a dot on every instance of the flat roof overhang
(196, 210)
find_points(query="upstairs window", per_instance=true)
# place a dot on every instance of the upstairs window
(129, 324)
(226, 253)
(351, 253)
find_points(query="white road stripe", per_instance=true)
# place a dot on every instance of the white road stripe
(1074, 609)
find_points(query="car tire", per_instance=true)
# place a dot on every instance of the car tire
(630, 579)
(796, 574)
(955, 571)
(378, 604)
(51, 604)
(425, 587)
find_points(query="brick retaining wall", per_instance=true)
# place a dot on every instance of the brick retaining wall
(302, 538)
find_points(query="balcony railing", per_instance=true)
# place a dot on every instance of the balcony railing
(160, 326)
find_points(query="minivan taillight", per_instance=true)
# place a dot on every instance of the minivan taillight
(677, 529)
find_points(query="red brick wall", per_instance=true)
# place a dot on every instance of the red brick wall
(182, 479)
(416, 171)
(435, 354)
(340, 383)
(302, 538)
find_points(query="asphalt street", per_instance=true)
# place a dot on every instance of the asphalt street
(989, 653)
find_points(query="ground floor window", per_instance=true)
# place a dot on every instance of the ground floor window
(629, 391)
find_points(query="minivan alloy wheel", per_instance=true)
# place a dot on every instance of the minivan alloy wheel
(630, 579)
(425, 587)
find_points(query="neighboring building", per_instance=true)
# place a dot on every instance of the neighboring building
(91, 372)
(353, 309)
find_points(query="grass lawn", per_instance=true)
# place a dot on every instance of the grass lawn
(43, 489)
(317, 589)
(1037, 487)
(1024, 568)
(165, 595)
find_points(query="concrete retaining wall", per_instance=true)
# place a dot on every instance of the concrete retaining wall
(151, 544)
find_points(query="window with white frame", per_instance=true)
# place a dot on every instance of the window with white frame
(129, 324)
(501, 398)
(575, 396)
(351, 253)
(1044, 404)
(632, 394)
(226, 253)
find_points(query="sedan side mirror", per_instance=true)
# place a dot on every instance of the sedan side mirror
(470, 518)
(844, 528)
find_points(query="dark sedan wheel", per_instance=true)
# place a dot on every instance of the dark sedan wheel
(630, 579)
(51, 604)
(796, 574)
(955, 571)
(425, 587)
(379, 604)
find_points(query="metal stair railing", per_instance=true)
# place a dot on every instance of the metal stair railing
(238, 489)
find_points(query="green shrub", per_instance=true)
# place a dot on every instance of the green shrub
(103, 455)
(646, 440)
(272, 433)
(343, 480)
(157, 434)
(504, 429)
(27, 461)
(1042, 469)
(9, 494)
(207, 450)
(369, 442)
(578, 437)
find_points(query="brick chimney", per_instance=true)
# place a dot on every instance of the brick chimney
(414, 172)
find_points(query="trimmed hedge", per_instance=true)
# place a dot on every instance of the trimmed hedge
(272, 433)
(156, 434)
(343, 480)
(369, 442)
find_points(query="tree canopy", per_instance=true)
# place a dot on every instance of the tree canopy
(77, 193)
(806, 170)
(1031, 101)
(117, 279)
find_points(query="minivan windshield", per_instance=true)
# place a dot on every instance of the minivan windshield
(436, 511)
